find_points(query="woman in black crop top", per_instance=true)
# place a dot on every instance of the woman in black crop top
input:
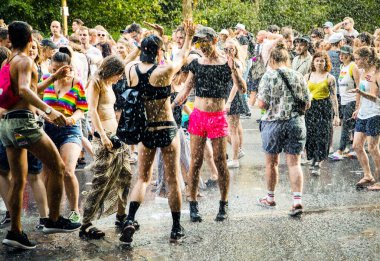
(210, 76)
(154, 82)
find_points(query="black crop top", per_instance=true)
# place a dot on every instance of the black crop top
(211, 81)
(151, 92)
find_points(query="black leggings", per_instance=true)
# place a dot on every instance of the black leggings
(160, 138)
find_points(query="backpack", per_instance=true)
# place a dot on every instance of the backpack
(7, 96)
(133, 120)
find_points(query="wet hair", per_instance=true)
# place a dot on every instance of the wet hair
(149, 48)
(370, 53)
(105, 48)
(111, 66)
(326, 57)
(3, 33)
(62, 56)
(78, 21)
(134, 28)
(366, 38)
(280, 53)
(4, 54)
(349, 40)
(20, 34)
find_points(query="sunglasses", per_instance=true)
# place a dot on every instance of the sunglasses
(102, 35)
(226, 50)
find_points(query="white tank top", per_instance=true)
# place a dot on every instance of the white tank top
(345, 83)
(368, 108)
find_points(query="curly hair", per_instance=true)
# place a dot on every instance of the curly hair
(370, 53)
(111, 66)
(326, 57)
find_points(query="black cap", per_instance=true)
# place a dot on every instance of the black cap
(204, 32)
(303, 38)
(48, 43)
(149, 47)
(134, 27)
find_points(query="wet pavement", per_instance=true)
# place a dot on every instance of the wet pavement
(340, 223)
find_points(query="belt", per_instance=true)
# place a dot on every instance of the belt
(21, 114)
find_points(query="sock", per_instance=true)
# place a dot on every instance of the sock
(176, 219)
(297, 198)
(270, 196)
(133, 207)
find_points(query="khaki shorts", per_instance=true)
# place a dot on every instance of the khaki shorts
(20, 132)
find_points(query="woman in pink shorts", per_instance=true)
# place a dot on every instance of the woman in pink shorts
(210, 76)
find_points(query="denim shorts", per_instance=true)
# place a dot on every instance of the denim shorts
(288, 135)
(370, 126)
(63, 135)
(34, 164)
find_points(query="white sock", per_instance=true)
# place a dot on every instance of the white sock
(297, 198)
(270, 196)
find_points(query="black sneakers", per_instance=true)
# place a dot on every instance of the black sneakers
(222, 214)
(127, 234)
(6, 220)
(194, 212)
(41, 223)
(296, 211)
(119, 222)
(176, 234)
(62, 225)
(18, 240)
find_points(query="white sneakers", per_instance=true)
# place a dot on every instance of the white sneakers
(233, 164)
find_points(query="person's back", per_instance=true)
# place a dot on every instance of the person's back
(335, 62)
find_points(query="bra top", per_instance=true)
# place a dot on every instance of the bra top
(150, 92)
(211, 81)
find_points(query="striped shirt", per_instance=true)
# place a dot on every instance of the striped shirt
(74, 99)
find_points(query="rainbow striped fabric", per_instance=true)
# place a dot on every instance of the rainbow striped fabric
(73, 100)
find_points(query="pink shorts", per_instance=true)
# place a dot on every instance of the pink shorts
(210, 125)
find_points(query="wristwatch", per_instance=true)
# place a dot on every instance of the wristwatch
(48, 110)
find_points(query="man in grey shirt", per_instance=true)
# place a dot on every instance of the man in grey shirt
(302, 62)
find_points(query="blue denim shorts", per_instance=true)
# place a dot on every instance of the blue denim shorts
(288, 136)
(63, 135)
(34, 164)
(370, 126)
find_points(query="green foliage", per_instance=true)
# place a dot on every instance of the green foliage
(114, 15)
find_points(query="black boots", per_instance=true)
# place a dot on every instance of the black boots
(222, 214)
(194, 212)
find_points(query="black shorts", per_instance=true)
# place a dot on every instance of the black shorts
(160, 138)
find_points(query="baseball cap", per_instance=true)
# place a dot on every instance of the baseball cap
(346, 49)
(328, 24)
(240, 26)
(336, 37)
(224, 31)
(149, 47)
(204, 32)
(303, 38)
(48, 43)
(125, 30)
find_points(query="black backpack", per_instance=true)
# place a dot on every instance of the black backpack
(133, 121)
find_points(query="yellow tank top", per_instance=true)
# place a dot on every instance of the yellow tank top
(319, 90)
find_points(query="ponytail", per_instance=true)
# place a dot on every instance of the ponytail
(62, 56)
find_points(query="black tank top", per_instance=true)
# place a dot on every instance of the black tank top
(211, 81)
(151, 92)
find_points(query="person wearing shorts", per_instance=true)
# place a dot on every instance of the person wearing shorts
(210, 76)
(282, 128)
(367, 115)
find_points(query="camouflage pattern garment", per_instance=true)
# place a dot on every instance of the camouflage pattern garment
(111, 181)
(273, 91)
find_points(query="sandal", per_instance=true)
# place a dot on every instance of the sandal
(365, 182)
(374, 187)
(92, 233)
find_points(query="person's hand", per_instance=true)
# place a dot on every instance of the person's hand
(57, 118)
(70, 121)
(189, 27)
(336, 121)
(106, 142)
(231, 61)
(156, 27)
(355, 114)
(227, 107)
(62, 72)
(356, 90)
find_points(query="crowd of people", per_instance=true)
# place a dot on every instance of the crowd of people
(67, 99)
